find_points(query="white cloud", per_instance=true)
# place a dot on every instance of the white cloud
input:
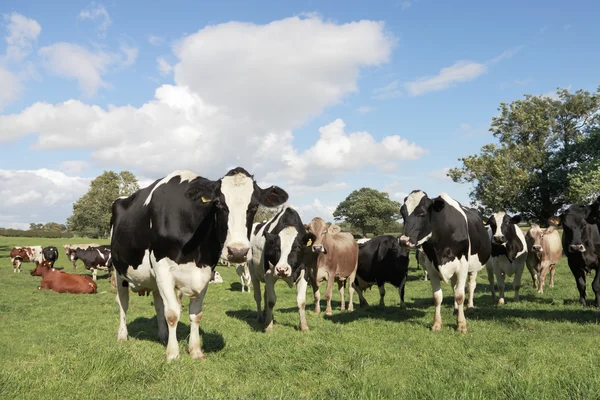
(315, 209)
(155, 40)
(163, 66)
(73, 61)
(440, 174)
(22, 32)
(461, 71)
(74, 166)
(468, 131)
(97, 11)
(395, 190)
(364, 109)
(552, 94)
(389, 91)
(10, 87)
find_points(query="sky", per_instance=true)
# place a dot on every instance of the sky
(318, 97)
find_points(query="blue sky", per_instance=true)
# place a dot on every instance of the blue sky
(320, 98)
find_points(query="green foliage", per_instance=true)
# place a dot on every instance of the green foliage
(369, 210)
(92, 212)
(547, 156)
(35, 233)
(264, 213)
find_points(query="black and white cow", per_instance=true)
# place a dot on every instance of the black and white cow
(50, 254)
(281, 249)
(381, 260)
(93, 258)
(509, 253)
(171, 234)
(454, 241)
(581, 244)
(420, 257)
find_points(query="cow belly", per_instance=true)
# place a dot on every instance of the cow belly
(502, 265)
(142, 277)
(475, 264)
(364, 285)
(190, 279)
(449, 269)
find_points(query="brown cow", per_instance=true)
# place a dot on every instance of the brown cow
(62, 282)
(337, 261)
(544, 252)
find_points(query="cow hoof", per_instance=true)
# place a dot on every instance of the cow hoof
(196, 354)
(171, 357)
(304, 328)
(402, 306)
(350, 309)
(363, 304)
(461, 328)
(500, 302)
(328, 313)
(436, 327)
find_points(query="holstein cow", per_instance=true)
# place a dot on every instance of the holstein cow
(50, 254)
(93, 258)
(509, 252)
(581, 244)
(544, 252)
(244, 274)
(381, 260)
(454, 241)
(280, 250)
(62, 282)
(69, 247)
(170, 236)
(337, 261)
(19, 255)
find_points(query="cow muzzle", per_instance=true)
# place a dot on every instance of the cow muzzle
(283, 271)
(537, 248)
(405, 241)
(237, 254)
(499, 239)
(577, 248)
(318, 248)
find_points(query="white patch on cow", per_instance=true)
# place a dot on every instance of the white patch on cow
(142, 277)
(287, 236)
(521, 237)
(426, 238)
(458, 208)
(413, 201)
(475, 264)
(452, 267)
(150, 224)
(237, 190)
(183, 175)
(101, 255)
(499, 218)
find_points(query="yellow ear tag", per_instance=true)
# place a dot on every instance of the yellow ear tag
(205, 200)
(309, 242)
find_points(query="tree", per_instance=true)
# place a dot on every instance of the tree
(546, 157)
(35, 227)
(92, 212)
(264, 213)
(369, 210)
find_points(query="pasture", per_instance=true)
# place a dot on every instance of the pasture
(64, 346)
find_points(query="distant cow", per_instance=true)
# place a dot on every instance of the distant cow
(244, 274)
(581, 244)
(50, 254)
(19, 255)
(421, 258)
(216, 277)
(337, 261)
(509, 252)
(381, 260)
(62, 282)
(69, 247)
(544, 252)
(93, 258)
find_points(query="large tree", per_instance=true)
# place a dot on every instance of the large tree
(547, 156)
(368, 209)
(92, 212)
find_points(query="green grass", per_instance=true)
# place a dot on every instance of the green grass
(64, 346)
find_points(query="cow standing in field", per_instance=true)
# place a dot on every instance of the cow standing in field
(19, 255)
(69, 247)
(544, 252)
(244, 274)
(62, 282)
(50, 254)
(337, 261)
(581, 244)
(454, 241)
(381, 260)
(280, 250)
(93, 258)
(509, 252)
(171, 234)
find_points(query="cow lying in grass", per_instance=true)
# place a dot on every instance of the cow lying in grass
(62, 282)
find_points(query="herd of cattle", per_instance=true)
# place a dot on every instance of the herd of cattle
(167, 238)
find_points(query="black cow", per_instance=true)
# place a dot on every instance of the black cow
(581, 244)
(455, 242)
(172, 233)
(381, 260)
(93, 258)
(50, 254)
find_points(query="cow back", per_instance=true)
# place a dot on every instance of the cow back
(341, 256)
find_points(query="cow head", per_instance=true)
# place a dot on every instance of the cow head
(535, 238)
(502, 227)
(416, 213)
(67, 247)
(285, 252)
(319, 229)
(40, 268)
(235, 199)
(576, 221)
(72, 254)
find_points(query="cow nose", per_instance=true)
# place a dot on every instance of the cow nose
(237, 255)
(500, 239)
(318, 248)
(405, 241)
(537, 248)
(577, 248)
(281, 271)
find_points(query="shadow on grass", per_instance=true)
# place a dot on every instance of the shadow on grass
(235, 287)
(5, 251)
(147, 329)
(249, 316)
(387, 313)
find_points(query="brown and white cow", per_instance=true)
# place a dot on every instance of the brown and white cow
(62, 282)
(337, 261)
(69, 247)
(544, 252)
(19, 255)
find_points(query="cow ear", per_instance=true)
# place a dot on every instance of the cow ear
(550, 229)
(308, 239)
(516, 219)
(438, 204)
(555, 220)
(271, 197)
(486, 221)
(202, 190)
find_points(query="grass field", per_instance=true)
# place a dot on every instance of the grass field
(64, 346)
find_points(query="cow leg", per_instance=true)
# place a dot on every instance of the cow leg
(596, 286)
(256, 290)
(453, 282)
(437, 300)
(328, 293)
(341, 290)
(459, 298)
(94, 274)
(180, 299)
(301, 287)
(194, 347)
(472, 285)
(425, 278)
(351, 292)
(401, 290)
(122, 299)
(500, 278)
(517, 279)
(362, 301)
(270, 300)
(490, 273)
(163, 332)
(316, 293)
(579, 274)
(552, 271)
(534, 275)
(542, 277)
(381, 295)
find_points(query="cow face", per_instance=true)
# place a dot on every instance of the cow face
(40, 268)
(535, 238)
(575, 223)
(319, 229)
(73, 255)
(416, 214)
(285, 252)
(237, 201)
(502, 227)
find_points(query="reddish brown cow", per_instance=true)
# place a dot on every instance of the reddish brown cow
(544, 252)
(62, 282)
(19, 255)
(337, 261)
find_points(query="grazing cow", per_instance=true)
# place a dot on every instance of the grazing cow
(454, 241)
(337, 261)
(509, 252)
(50, 254)
(244, 274)
(69, 247)
(171, 234)
(280, 250)
(19, 255)
(381, 260)
(544, 251)
(581, 244)
(62, 282)
(93, 258)
(421, 257)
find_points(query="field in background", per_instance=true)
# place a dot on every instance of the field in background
(64, 346)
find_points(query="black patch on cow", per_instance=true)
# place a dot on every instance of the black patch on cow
(92, 258)
(50, 254)
(382, 260)
(257, 227)
(480, 241)
(513, 245)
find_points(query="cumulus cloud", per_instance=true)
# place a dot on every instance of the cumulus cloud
(97, 12)
(22, 33)
(440, 174)
(74, 166)
(155, 40)
(11, 87)
(163, 66)
(315, 209)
